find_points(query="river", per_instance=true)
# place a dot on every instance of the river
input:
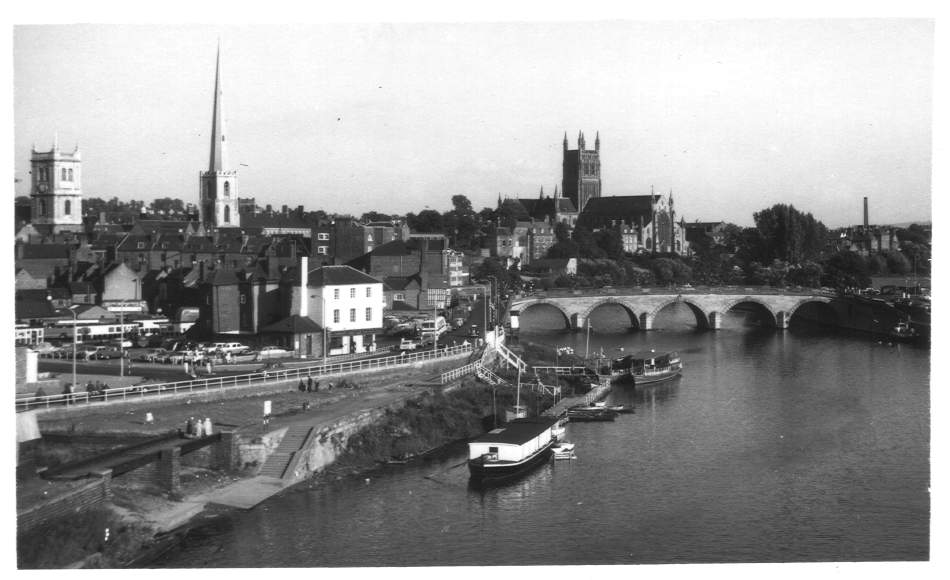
(774, 446)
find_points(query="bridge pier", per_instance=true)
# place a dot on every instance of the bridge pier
(578, 321)
(715, 320)
(646, 321)
(169, 470)
(782, 319)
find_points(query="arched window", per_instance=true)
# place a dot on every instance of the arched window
(649, 243)
(227, 209)
(68, 207)
(227, 189)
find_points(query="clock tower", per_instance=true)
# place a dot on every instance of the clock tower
(56, 189)
(218, 195)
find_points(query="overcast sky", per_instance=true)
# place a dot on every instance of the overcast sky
(733, 116)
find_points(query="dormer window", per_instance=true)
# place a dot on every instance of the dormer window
(140, 245)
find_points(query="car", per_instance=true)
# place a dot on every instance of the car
(91, 352)
(120, 343)
(45, 348)
(108, 353)
(408, 344)
(269, 352)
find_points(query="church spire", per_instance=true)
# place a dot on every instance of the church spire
(565, 140)
(541, 195)
(597, 142)
(219, 161)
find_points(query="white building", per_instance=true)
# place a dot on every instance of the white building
(348, 304)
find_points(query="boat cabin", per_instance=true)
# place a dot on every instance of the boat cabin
(514, 442)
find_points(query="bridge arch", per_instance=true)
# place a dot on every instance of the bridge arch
(772, 317)
(702, 317)
(584, 316)
(550, 303)
(819, 302)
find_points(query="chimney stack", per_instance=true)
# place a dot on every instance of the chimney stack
(304, 293)
(865, 214)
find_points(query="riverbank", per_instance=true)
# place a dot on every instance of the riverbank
(146, 514)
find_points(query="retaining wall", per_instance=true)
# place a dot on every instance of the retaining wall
(81, 499)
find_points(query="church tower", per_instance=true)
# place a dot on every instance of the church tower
(56, 189)
(581, 172)
(218, 198)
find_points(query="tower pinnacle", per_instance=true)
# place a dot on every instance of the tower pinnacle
(218, 150)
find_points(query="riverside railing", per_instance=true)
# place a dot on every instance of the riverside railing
(263, 377)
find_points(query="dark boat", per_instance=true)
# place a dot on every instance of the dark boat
(510, 451)
(623, 409)
(579, 415)
(903, 332)
(646, 367)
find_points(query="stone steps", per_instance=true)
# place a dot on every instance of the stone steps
(277, 463)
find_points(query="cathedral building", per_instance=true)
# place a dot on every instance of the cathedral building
(218, 197)
(56, 190)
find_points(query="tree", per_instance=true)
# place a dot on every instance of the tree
(610, 242)
(428, 221)
(375, 216)
(897, 262)
(846, 270)
(562, 232)
(788, 234)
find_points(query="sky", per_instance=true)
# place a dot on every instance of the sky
(732, 116)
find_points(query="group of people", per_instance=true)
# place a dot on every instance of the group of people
(196, 428)
(311, 386)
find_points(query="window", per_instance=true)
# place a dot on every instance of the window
(369, 291)
(42, 207)
(399, 296)
(140, 245)
(70, 173)
(336, 293)
(63, 174)
(227, 214)
(243, 299)
(352, 315)
(68, 207)
(227, 189)
(323, 237)
(336, 316)
(352, 292)
(321, 249)
(369, 314)
(336, 342)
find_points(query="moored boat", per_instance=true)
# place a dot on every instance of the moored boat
(646, 367)
(563, 450)
(601, 406)
(510, 451)
(578, 415)
(903, 332)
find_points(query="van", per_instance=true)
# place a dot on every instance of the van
(434, 328)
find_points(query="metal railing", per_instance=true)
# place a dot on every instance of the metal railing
(268, 376)
(453, 374)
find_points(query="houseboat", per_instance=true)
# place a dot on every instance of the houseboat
(507, 452)
(646, 367)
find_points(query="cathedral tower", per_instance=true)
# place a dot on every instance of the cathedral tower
(56, 189)
(218, 198)
(581, 172)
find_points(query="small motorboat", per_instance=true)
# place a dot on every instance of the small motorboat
(577, 415)
(563, 450)
(601, 406)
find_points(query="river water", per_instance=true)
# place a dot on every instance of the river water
(802, 445)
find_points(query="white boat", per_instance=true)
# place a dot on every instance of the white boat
(563, 450)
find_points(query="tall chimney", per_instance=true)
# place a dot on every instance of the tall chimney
(865, 214)
(304, 293)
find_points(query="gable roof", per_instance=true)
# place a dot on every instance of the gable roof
(295, 324)
(338, 276)
(45, 252)
(620, 206)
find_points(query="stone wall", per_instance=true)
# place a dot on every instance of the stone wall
(81, 499)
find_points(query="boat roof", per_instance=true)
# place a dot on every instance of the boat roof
(648, 354)
(518, 431)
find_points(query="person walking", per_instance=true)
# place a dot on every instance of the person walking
(302, 387)
(309, 384)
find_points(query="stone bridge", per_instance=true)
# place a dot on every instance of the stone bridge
(643, 304)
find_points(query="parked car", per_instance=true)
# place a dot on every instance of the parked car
(121, 343)
(269, 352)
(45, 349)
(91, 352)
(108, 353)
(408, 344)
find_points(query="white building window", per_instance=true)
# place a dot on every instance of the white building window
(352, 315)
(352, 292)
(336, 316)
(336, 293)
(369, 291)
(323, 237)
(369, 314)
(322, 250)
